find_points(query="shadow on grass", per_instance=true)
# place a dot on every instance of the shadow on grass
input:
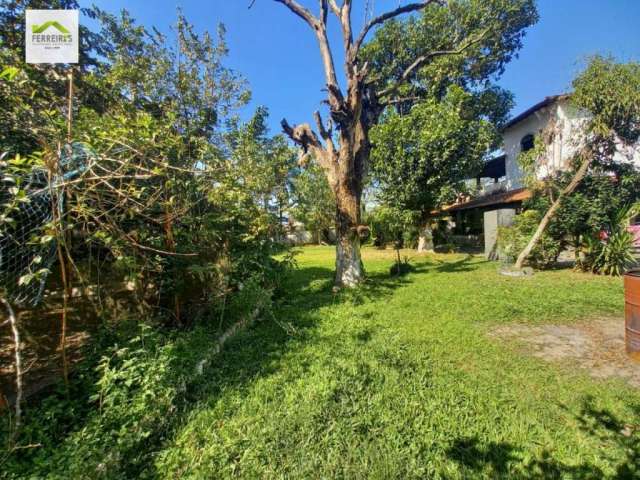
(74, 418)
(619, 443)
(468, 263)
(465, 264)
(253, 354)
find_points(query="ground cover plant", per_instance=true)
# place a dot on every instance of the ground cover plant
(398, 379)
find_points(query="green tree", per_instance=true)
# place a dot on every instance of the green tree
(261, 165)
(165, 198)
(313, 202)
(421, 159)
(33, 97)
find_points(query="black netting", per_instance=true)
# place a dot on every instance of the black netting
(23, 253)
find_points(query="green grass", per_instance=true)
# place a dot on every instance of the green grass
(399, 380)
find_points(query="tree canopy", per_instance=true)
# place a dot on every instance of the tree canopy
(445, 120)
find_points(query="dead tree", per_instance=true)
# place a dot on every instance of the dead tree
(344, 154)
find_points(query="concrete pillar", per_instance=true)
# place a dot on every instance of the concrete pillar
(493, 219)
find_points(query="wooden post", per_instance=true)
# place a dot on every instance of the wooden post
(70, 104)
(62, 237)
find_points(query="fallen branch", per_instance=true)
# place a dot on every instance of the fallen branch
(222, 339)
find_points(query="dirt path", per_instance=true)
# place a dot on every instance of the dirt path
(595, 345)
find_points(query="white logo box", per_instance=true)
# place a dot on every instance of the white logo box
(51, 36)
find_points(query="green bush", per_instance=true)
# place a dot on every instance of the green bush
(613, 253)
(129, 392)
(612, 256)
(512, 240)
(391, 224)
(121, 405)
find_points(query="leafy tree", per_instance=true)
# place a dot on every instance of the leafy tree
(166, 189)
(261, 167)
(389, 223)
(594, 203)
(421, 159)
(175, 193)
(492, 29)
(313, 202)
(34, 101)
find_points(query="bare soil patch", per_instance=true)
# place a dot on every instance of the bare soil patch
(595, 345)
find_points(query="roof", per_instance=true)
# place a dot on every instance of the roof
(530, 111)
(502, 198)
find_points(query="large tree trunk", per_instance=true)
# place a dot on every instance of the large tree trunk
(544, 223)
(349, 268)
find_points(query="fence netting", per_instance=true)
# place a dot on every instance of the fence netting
(26, 254)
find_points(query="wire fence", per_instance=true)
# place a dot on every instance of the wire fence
(26, 254)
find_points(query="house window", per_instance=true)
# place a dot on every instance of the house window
(527, 143)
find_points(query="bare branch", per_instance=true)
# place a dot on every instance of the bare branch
(325, 133)
(324, 9)
(424, 59)
(345, 22)
(300, 11)
(334, 7)
(18, 362)
(311, 146)
(411, 7)
(319, 28)
(302, 135)
(109, 226)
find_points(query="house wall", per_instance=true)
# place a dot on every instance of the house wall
(512, 137)
(570, 121)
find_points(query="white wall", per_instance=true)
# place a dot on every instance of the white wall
(512, 137)
(570, 122)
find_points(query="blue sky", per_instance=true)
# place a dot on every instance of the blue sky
(278, 55)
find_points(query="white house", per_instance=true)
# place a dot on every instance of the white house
(500, 190)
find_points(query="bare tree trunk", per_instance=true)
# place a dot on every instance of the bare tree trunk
(349, 268)
(425, 239)
(544, 223)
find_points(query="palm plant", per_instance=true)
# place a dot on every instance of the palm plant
(614, 254)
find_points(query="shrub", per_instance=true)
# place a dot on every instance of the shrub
(612, 252)
(611, 256)
(512, 240)
(123, 401)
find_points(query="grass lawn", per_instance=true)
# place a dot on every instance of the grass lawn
(400, 380)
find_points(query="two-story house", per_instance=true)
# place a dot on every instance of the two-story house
(499, 189)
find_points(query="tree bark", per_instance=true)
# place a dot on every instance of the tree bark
(544, 223)
(349, 268)
(18, 362)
